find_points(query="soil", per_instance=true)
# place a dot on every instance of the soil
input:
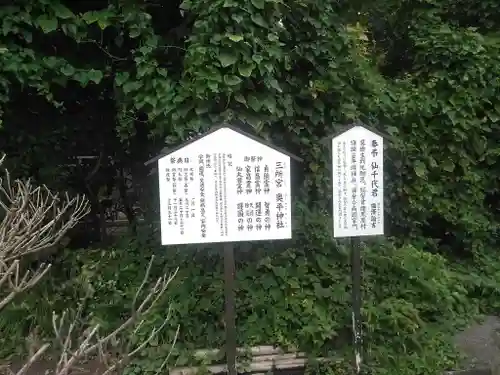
(92, 367)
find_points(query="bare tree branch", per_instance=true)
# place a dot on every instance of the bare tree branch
(95, 345)
(33, 359)
(32, 219)
(10, 275)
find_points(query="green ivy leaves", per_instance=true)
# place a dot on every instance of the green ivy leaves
(259, 4)
(95, 75)
(294, 71)
(47, 24)
(303, 294)
(246, 69)
(259, 20)
(62, 11)
(235, 38)
(420, 169)
(448, 165)
(227, 59)
(102, 18)
(232, 80)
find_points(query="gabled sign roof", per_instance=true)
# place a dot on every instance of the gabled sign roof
(350, 126)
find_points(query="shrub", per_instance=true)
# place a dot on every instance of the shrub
(298, 296)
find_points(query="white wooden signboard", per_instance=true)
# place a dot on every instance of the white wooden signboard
(224, 187)
(358, 183)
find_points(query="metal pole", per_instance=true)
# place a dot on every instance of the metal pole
(356, 302)
(229, 273)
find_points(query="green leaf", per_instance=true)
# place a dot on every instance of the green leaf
(67, 70)
(103, 23)
(101, 17)
(275, 85)
(227, 59)
(82, 77)
(234, 37)
(70, 29)
(270, 103)
(121, 78)
(257, 58)
(259, 4)
(201, 110)
(254, 103)
(186, 5)
(272, 37)
(237, 17)
(479, 144)
(47, 24)
(392, 130)
(146, 50)
(240, 99)
(232, 80)
(432, 162)
(95, 76)
(134, 32)
(448, 165)
(51, 61)
(90, 17)
(246, 69)
(61, 11)
(213, 86)
(28, 36)
(493, 116)
(258, 20)
(420, 169)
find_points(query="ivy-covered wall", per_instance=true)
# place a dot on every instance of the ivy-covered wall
(120, 80)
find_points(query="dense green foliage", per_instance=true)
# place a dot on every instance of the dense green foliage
(297, 297)
(121, 80)
(137, 76)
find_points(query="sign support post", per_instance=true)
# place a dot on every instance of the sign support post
(229, 278)
(356, 270)
(358, 206)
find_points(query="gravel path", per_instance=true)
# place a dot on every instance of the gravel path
(477, 343)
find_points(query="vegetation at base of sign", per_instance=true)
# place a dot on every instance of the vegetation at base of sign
(294, 297)
(91, 90)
